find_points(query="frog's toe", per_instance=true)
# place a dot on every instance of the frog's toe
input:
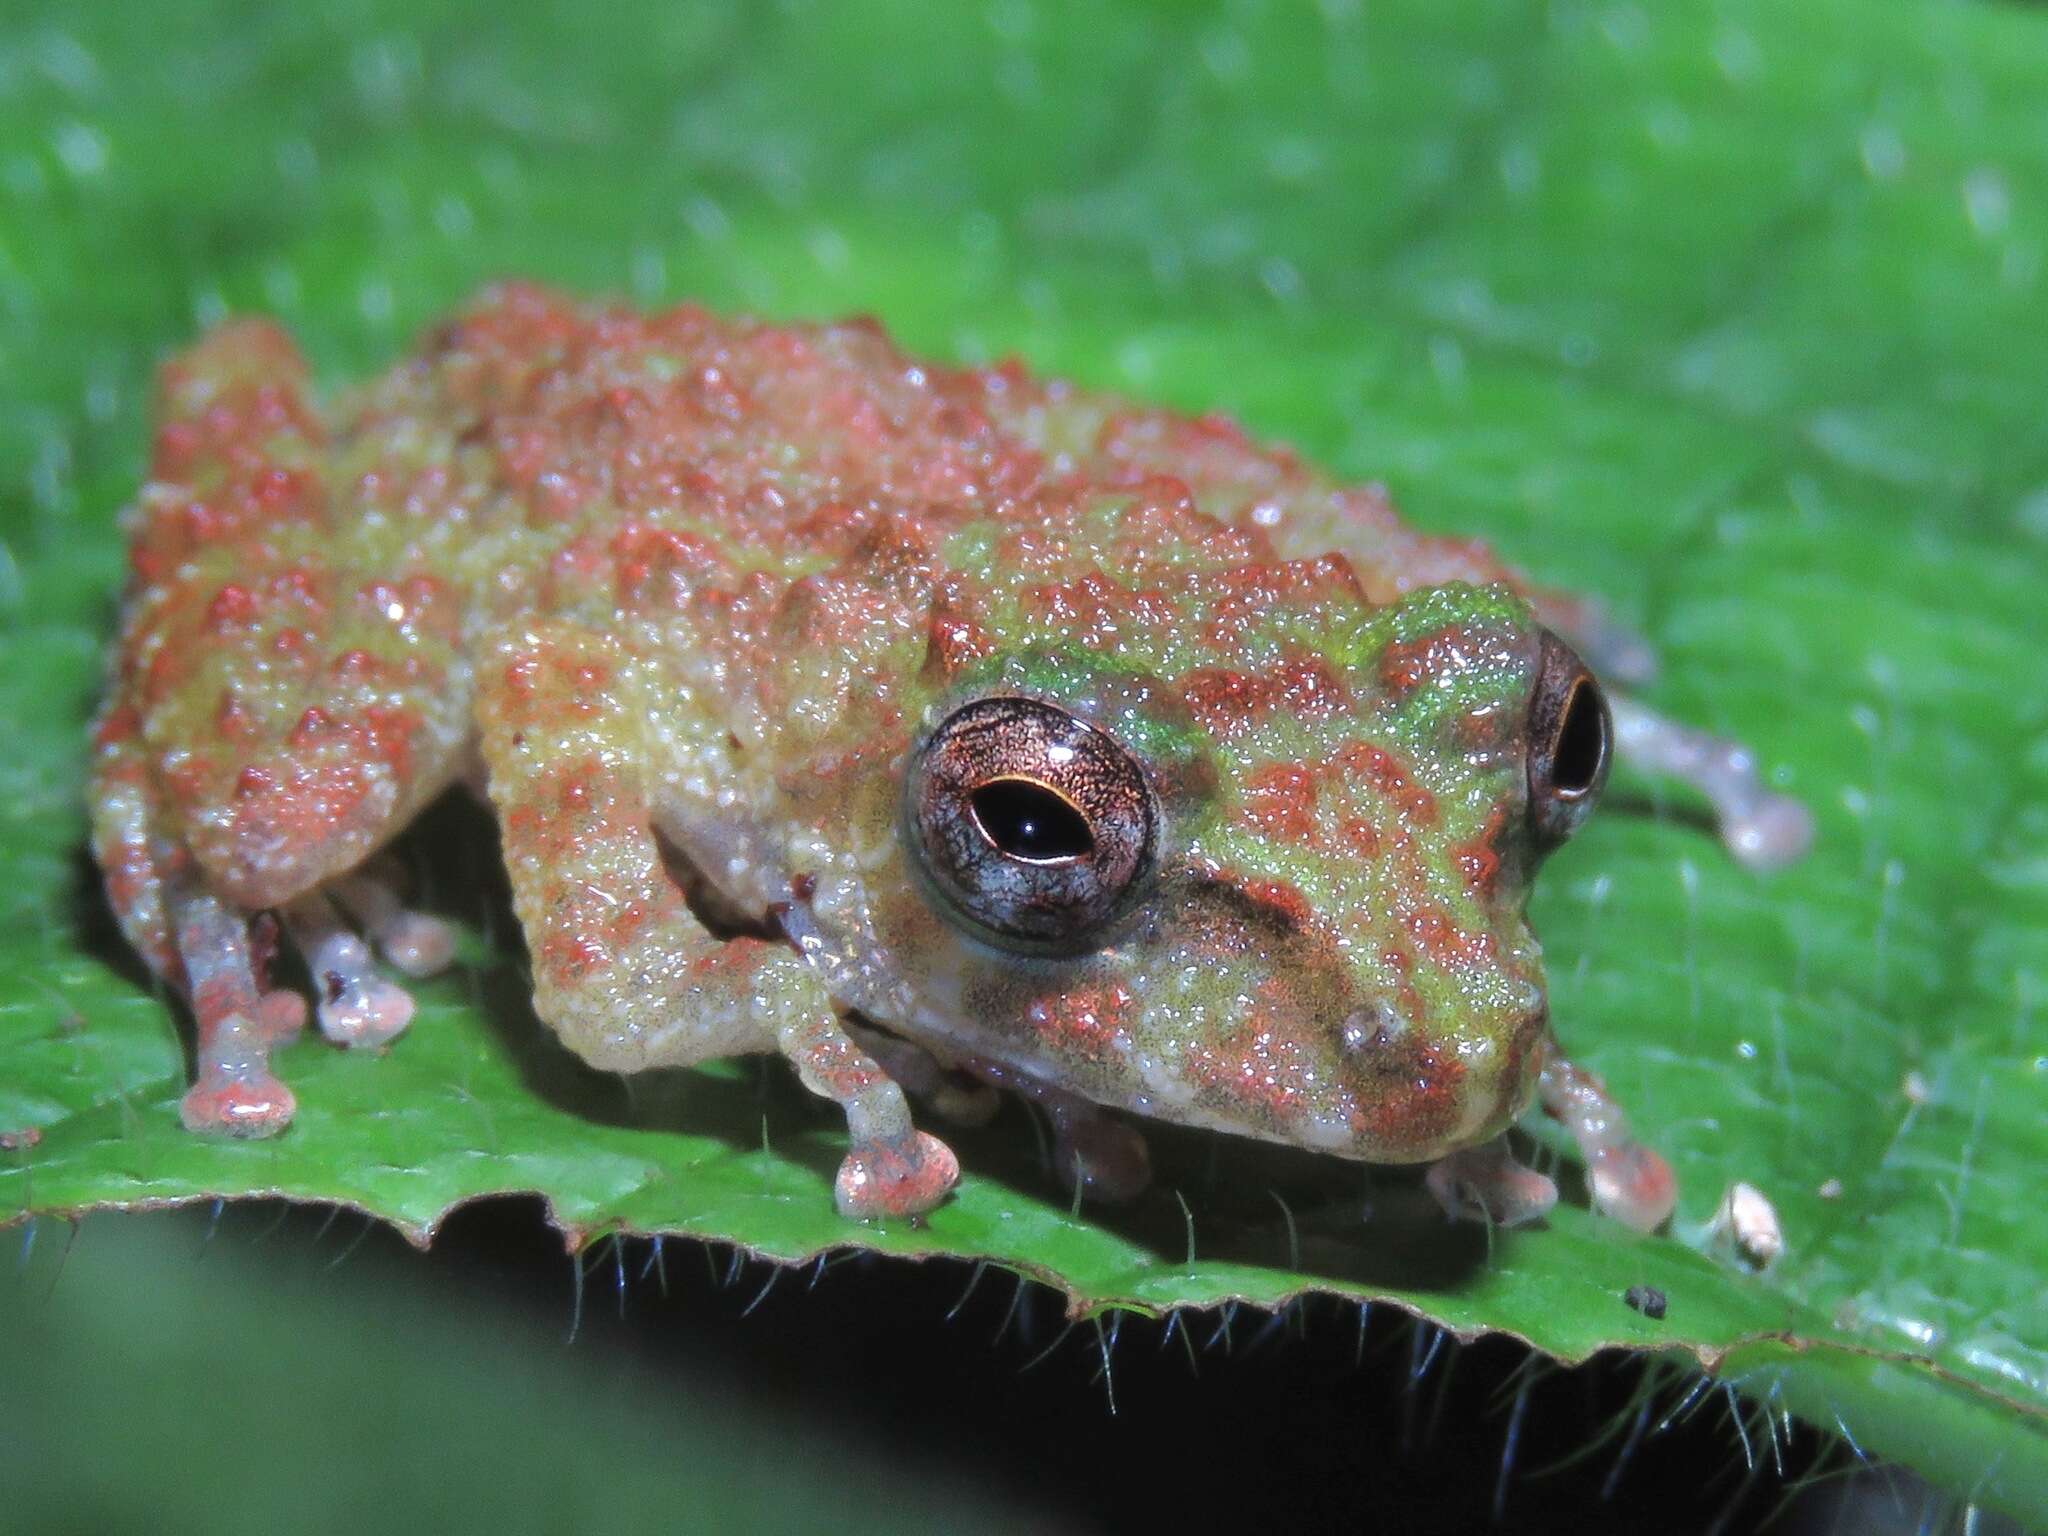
(413, 942)
(363, 1011)
(237, 1099)
(357, 1006)
(1771, 831)
(900, 1178)
(1103, 1157)
(280, 1017)
(1487, 1183)
(1632, 1184)
(417, 944)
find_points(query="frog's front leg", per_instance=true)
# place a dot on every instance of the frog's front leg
(622, 971)
(1489, 1182)
(1628, 1180)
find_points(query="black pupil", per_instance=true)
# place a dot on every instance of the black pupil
(1028, 821)
(1581, 742)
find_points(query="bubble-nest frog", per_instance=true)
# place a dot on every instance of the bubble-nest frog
(1090, 750)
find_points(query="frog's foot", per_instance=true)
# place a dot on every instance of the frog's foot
(414, 942)
(238, 1020)
(892, 1169)
(357, 1006)
(957, 1098)
(903, 1177)
(1487, 1183)
(1101, 1156)
(237, 1096)
(1629, 1181)
(1761, 828)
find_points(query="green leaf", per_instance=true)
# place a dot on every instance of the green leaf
(1730, 314)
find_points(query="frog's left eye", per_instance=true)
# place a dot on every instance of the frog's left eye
(1569, 733)
(1031, 824)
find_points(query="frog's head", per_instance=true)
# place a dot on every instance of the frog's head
(1228, 845)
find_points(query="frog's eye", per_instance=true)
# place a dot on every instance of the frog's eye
(1569, 732)
(1031, 824)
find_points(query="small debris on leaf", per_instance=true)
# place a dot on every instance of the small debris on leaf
(12, 1141)
(1747, 1220)
(1648, 1300)
(1831, 1190)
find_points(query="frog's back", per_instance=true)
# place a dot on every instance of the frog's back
(610, 438)
(311, 590)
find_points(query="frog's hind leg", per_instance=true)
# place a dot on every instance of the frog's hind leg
(623, 972)
(290, 665)
(239, 1019)
(1761, 828)
(194, 941)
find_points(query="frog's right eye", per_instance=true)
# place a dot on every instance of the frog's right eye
(1569, 735)
(1031, 825)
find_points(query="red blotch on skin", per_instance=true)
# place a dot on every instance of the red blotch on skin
(162, 674)
(277, 493)
(522, 673)
(387, 736)
(1311, 689)
(570, 958)
(1405, 664)
(1390, 776)
(954, 641)
(232, 607)
(838, 1066)
(660, 564)
(177, 445)
(1412, 1097)
(121, 724)
(1280, 897)
(1280, 802)
(1362, 837)
(1479, 859)
(1443, 940)
(1088, 1021)
(1262, 1067)
(1221, 699)
(230, 716)
(311, 727)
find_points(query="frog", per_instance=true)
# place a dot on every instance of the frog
(927, 725)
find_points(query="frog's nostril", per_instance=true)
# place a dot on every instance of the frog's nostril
(1378, 1025)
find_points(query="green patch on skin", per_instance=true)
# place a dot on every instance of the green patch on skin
(1716, 312)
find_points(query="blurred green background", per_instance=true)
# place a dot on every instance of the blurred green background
(1729, 312)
